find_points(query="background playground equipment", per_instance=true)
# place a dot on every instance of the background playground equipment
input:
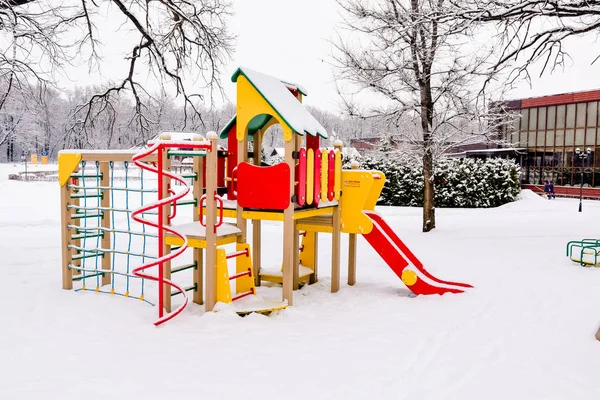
(585, 252)
(308, 192)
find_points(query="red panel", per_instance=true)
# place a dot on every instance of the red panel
(330, 175)
(231, 161)
(266, 188)
(317, 179)
(221, 171)
(312, 142)
(301, 177)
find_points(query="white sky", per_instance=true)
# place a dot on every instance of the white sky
(290, 40)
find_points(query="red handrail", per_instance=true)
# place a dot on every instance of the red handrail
(220, 201)
(202, 201)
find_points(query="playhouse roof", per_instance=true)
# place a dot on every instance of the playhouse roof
(277, 93)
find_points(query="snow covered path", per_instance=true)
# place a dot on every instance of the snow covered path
(525, 332)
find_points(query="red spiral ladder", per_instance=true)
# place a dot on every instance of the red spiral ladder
(159, 147)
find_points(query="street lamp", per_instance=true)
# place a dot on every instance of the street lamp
(582, 156)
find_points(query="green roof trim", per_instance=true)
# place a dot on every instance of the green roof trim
(225, 131)
(256, 124)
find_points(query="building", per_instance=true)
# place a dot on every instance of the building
(549, 130)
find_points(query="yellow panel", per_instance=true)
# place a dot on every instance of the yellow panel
(324, 174)
(265, 311)
(251, 103)
(375, 192)
(67, 163)
(310, 176)
(307, 254)
(299, 215)
(356, 186)
(227, 213)
(223, 287)
(337, 181)
(263, 215)
(198, 243)
(271, 278)
(243, 264)
(279, 278)
(314, 228)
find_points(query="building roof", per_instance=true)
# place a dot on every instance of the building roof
(554, 99)
(278, 94)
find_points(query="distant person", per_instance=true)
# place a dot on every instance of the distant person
(551, 190)
(547, 189)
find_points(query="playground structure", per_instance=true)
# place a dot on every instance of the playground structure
(586, 252)
(309, 193)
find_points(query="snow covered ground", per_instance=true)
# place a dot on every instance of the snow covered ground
(525, 332)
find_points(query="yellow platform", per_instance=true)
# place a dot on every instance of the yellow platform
(254, 304)
(196, 235)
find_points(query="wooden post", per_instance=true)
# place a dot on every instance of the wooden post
(198, 190)
(598, 334)
(288, 228)
(105, 202)
(352, 250)
(335, 240)
(242, 156)
(166, 211)
(335, 251)
(256, 223)
(211, 215)
(296, 264)
(67, 255)
(296, 257)
(352, 259)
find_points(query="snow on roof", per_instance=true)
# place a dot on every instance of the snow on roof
(291, 111)
(295, 86)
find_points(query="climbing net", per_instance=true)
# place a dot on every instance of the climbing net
(106, 243)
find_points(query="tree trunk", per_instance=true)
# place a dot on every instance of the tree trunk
(426, 123)
(428, 192)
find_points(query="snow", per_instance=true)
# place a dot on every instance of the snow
(284, 102)
(526, 331)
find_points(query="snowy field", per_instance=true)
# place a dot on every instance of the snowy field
(525, 332)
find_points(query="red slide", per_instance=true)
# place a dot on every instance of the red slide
(395, 253)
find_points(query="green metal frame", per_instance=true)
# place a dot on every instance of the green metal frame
(590, 245)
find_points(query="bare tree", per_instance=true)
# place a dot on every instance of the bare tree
(531, 32)
(176, 41)
(412, 60)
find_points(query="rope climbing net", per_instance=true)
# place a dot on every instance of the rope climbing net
(106, 243)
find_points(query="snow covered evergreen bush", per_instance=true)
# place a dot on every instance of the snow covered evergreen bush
(468, 183)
